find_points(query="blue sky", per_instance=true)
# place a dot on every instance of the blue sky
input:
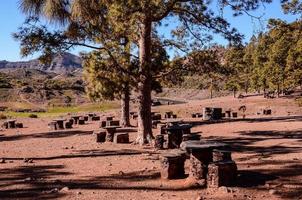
(11, 19)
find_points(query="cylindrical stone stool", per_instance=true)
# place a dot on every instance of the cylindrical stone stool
(199, 160)
(110, 134)
(159, 142)
(161, 128)
(234, 114)
(11, 124)
(100, 136)
(68, 125)
(172, 165)
(19, 125)
(81, 121)
(222, 173)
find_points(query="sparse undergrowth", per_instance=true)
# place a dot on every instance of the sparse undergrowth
(299, 101)
(57, 111)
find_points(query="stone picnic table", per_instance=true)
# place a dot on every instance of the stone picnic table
(11, 123)
(201, 154)
(175, 134)
(110, 131)
(60, 123)
(171, 122)
(76, 118)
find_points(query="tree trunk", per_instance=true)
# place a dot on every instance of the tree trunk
(144, 134)
(234, 93)
(278, 90)
(125, 107)
(211, 89)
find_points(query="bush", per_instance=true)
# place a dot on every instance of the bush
(299, 101)
(2, 116)
(33, 116)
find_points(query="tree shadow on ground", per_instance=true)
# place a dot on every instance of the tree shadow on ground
(88, 153)
(264, 167)
(44, 182)
(248, 120)
(53, 134)
(26, 177)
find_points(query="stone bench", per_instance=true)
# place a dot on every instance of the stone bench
(19, 125)
(267, 112)
(86, 118)
(100, 136)
(223, 173)
(121, 138)
(172, 165)
(95, 118)
(168, 115)
(196, 115)
(234, 114)
(103, 124)
(154, 123)
(53, 126)
(68, 125)
(81, 121)
(159, 142)
(113, 123)
(109, 118)
(5, 125)
(156, 117)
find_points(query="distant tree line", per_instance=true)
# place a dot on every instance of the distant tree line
(270, 62)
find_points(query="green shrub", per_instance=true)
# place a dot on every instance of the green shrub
(33, 116)
(2, 116)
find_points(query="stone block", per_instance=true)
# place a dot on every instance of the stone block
(121, 138)
(53, 126)
(68, 125)
(81, 121)
(159, 142)
(222, 173)
(19, 125)
(172, 165)
(100, 136)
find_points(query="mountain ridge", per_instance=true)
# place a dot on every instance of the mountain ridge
(61, 63)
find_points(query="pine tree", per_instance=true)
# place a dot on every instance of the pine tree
(95, 21)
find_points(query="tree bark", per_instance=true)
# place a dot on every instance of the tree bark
(125, 107)
(144, 134)
(211, 89)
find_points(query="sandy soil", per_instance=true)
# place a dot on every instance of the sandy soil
(71, 165)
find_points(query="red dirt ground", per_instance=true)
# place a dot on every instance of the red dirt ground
(71, 165)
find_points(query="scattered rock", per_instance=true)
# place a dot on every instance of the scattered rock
(267, 185)
(64, 189)
(55, 190)
(2, 160)
(28, 179)
(79, 193)
(223, 189)
(200, 198)
(272, 191)
(121, 173)
(110, 164)
(28, 160)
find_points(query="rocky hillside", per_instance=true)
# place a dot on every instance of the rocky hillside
(61, 63)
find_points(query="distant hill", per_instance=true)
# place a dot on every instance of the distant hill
(61, 63)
